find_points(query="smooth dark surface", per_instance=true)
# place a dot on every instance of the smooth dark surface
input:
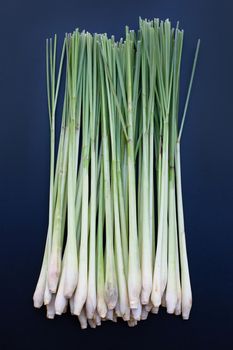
(207, 165)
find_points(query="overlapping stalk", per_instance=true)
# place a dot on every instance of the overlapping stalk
(116, 242)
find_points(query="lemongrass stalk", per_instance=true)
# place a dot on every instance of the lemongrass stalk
(101, 305)
(158, 285)
(71, 263)
(60, 300)
(167, 78)
(57, 242)
(136, 87)
(185, 278)
(148, 103)
(126, 188)
(120, 150)
(158, 152)
(158, 122)
(164, 256)
(78, 200)
(173, 282)
(38, 296)
(151, 191)
(146, 234)
(123, 295)
(153, 225)
(159, 171)
(77, 61)
(42, 293)
(186, 302)
(134, 274)
(122, 287)
(171, 291)
(178, 283)
(162, 33)
(124, 204)
(120, 62)
(117, 148)
(79, 86)
(140, 203)
(81, 291)
(91, 293)
(79, 57)
(123, 220)
(52, 109)
(122, 198)
(42, 286)
(111, 290)
(71, 266)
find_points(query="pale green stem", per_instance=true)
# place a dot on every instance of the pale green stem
(134, 274)
(122, 286)
(101, 305)
(172, 281)
(185, 279)
(162, 219)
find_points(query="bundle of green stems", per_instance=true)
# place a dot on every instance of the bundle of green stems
(116, 238)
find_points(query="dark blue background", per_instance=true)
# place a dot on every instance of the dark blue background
(207, 147)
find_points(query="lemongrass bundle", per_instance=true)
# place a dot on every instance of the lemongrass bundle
(116, 242)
